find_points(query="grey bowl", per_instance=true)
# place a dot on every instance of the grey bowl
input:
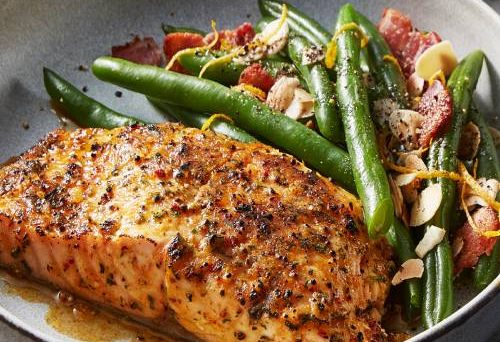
(66, 34)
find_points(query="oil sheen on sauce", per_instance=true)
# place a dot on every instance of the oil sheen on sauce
(79, 320)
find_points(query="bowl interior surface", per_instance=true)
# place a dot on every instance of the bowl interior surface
(64, 35)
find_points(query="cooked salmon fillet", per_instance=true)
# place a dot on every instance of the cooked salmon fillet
(239, 241)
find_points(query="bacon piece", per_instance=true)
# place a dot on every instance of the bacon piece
(177, 41)
(142, 51)
(240, 36)
(405, 41)
(436, 107)
(474, 244)
(256, 76)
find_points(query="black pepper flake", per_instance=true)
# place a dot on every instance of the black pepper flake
(25, 125)
(118, 93)
(360, 337)
(189, 296)
(240, 335)
(83, 67)
(85, 89)
(222, 293)
(15, 252)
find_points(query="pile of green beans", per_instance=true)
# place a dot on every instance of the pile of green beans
(369, 175)
(438, 275)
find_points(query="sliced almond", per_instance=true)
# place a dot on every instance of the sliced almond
(282, 92)
(411, 268)
(469, 141)
(426, 205)
(382, 109)
(490, 186)
(495, 134)
(397, 197)
(301, 106)
(408, 182)
(404, 124)
(432, 237)
(415, 85)
(457, 245)
(440, 56)
(404, 179)
(276, 41)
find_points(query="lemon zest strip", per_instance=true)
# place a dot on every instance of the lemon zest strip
(438, 75)
(192, 51)
(331, 47)
(248, 88)
(212, 118)
(393, 60)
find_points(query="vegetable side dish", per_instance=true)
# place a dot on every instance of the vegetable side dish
(232, 231)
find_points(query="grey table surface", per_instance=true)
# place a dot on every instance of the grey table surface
(10, 334)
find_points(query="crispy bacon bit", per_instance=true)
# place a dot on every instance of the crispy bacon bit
(256, 76)
(142, 51)
(177, 41)
(405, 41)
(436, 107)
(475, 244)
(240, 36)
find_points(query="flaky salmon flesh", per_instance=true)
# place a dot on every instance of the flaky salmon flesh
(239, 241)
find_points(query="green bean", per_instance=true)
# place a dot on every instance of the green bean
(488, 266)
(438, 275)
(298, 21)
(369, 174)
(83, 110)
(322, 89)
(193, 119)
(399, 238)
(172, 29)
(385, 72)
(246, 111)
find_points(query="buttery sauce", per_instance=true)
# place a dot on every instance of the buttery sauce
(76, 319)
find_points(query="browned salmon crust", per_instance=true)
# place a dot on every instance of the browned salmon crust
(241, 241)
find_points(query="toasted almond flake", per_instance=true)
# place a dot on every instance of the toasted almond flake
(404, 179)
(411, 268)
(415, 85)
(426, 205)
(282, 92)
(490, 187)
(440, 56)
(432, 237)
(469, 141)
(382, 109)
(410, 190)
(404, 125)
(397, 197)
(457, 245)
(277, 41)
(312, 55)
(495, 134)
(301, 106)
